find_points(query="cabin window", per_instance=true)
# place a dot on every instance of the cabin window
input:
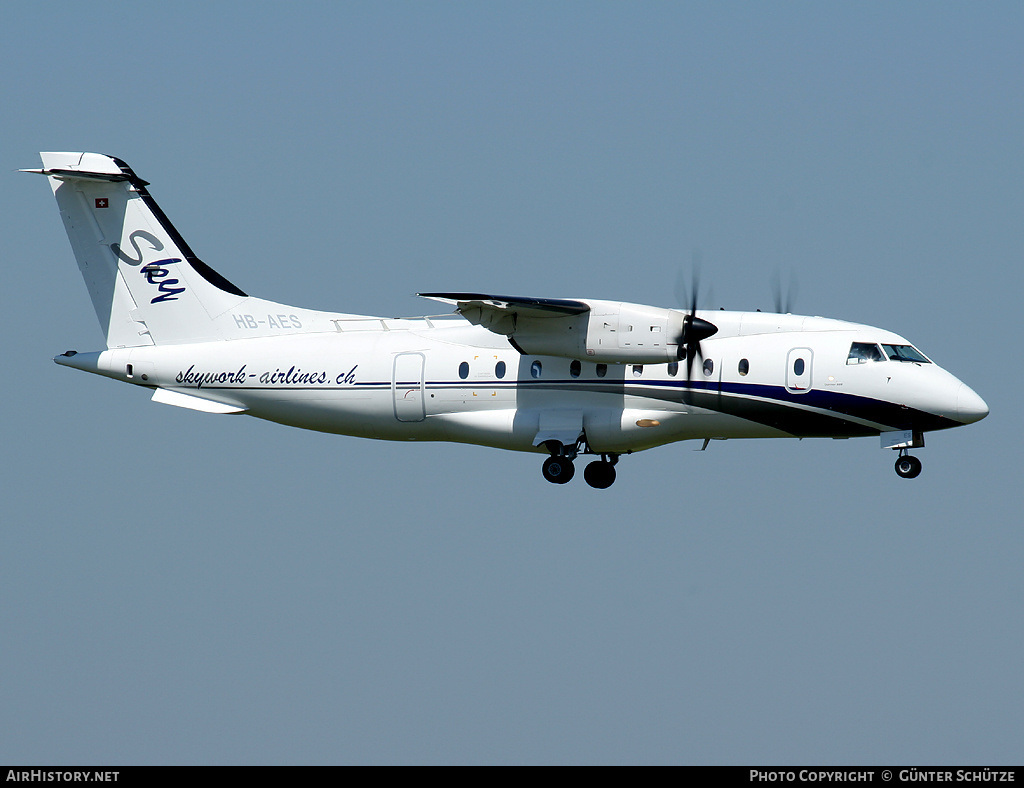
(464, 370)
(673, 369)
(709, 367)
(575, 368)
(602, 370)
(536, 368)
(863, 352)
(798, 367)
(499, 370)
(744, 367)
(638, 370)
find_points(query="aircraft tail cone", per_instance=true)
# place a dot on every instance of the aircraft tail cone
(87, 362)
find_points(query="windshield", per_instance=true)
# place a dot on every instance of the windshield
(863, 352)
(904, 353)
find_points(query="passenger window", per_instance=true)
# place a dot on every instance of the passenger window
(798, 367)
(499, 370)
(536, 368)
(464, 370)
(575, 368)
(638, 370)
(673, 369)
(709, 367)
(602, 370)
(744, 366)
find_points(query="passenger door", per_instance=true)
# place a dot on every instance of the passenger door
(407, 386)
(798, 369)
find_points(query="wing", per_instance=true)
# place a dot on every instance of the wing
(599, 331)
(501, 314)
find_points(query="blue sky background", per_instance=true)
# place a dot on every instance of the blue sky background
(177, 587)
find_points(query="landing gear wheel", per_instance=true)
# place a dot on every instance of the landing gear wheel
(558, 470)
(908, 467)
(599, 474)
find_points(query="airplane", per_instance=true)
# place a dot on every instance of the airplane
(562, 377)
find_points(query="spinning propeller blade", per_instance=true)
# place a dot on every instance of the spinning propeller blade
(785, 299)
(695, 329)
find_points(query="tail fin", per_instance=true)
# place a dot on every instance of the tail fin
(146, 284)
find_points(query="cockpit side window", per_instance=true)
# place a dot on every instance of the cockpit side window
(905, 353)
(863, 352)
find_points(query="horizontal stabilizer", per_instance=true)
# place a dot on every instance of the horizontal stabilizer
(94, 166)
(67, 175)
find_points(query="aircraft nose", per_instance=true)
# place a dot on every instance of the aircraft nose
(969, 406)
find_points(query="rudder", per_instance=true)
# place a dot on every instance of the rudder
(145, 283)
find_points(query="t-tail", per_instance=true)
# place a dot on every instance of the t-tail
(146, 284)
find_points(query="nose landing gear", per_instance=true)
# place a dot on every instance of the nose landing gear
(907, 467)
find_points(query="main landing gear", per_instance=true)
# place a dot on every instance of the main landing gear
(907, 467)
(558, 468)
(601, 473)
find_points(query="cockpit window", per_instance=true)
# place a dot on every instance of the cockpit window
(905, 353)
(863, 352)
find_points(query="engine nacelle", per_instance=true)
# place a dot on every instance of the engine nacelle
(612, 332)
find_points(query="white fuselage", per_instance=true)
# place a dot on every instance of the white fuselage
(557, 375)
(445, 380)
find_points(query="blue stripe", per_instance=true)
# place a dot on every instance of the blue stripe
(811, 413)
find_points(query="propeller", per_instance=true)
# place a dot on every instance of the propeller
(785, 299)
(695, 329)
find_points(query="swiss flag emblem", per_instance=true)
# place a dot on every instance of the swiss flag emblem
(101, 202)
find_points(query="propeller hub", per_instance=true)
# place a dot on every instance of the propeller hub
(697, 329)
